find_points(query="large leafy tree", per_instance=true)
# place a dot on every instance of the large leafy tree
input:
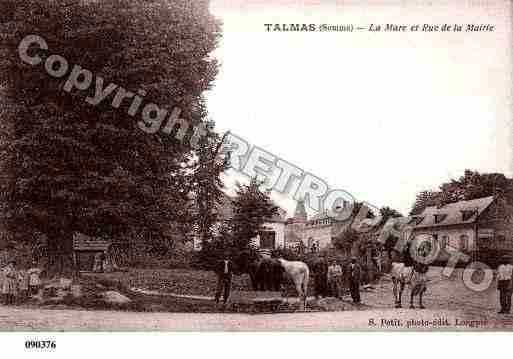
(475, 185)
(345, 241)
(424, 199)
(469, 186)
(209, 164)
(68, 166)
(388, 212)
(252, 208)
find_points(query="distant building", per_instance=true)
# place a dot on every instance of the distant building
(316, 233)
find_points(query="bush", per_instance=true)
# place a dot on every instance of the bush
(345, 241)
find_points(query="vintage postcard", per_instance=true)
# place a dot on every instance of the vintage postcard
(255, 165)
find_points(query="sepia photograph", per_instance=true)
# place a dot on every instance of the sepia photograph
(255, 166)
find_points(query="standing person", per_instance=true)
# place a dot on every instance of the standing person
(34, 274)
(354, 280)
(224, 271)
(10, 285)
(98, 263)
(335, 279)
(23, 285)
(320, 271)
(504, 284)
(376, 259)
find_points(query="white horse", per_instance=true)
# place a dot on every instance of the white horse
(402, 275)
(300, 275)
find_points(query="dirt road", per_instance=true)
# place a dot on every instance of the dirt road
(450, 306)
(21, 319)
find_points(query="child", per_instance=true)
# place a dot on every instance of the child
(34, 274)
(23, 285)
(10, 284)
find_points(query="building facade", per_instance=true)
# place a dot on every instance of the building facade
(473, 227)
(315, 233)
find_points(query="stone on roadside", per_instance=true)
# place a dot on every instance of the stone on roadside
(113, 297)
(76, 290)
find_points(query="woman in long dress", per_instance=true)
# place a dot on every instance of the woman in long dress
(10, 284)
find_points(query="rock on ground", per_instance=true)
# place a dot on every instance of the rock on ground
(114, 297)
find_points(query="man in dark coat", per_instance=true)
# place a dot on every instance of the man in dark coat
(354, 273)
(504, 284)
(320, 272)
(224, 271)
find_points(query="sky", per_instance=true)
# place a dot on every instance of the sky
(381, 115)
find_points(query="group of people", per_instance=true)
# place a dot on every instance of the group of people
(18, 284)
(331, 278)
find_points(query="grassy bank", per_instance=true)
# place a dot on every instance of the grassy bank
(179, 281)
(185, 281)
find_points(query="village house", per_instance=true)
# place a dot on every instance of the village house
(273, 236)
(474, 227)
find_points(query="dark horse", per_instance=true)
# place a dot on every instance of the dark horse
(266, 274)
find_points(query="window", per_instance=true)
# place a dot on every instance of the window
(463, 242)
(439, 217)
(467, 214)
(267, 239)
(444, 242)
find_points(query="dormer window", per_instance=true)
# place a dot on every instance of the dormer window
(440, 217)
(467, 214)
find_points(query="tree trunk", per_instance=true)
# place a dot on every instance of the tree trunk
(59, 252)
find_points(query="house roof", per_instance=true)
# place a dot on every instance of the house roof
(451, 213)
(81, 242)
(320, 216)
